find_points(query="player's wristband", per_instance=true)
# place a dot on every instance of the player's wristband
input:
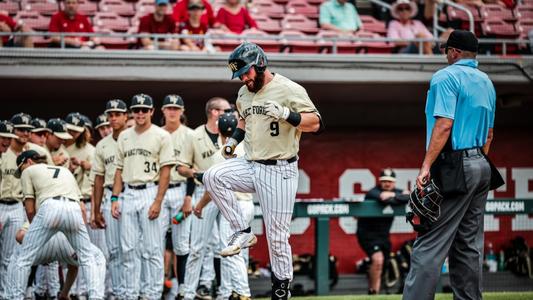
(294, 118)
(191, 185)
(114, 198)
(238, 135)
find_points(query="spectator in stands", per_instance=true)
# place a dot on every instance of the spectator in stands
(404, 27)
(194, 25)
(234, 17)
(340, 16)
(181, 13)
(373, 233)
(9, 25)
(158, 22)
(69, 20)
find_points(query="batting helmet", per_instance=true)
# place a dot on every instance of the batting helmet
(227, 123)
(244, 57)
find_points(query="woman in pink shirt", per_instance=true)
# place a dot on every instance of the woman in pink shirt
(234, 17)
(404, 27)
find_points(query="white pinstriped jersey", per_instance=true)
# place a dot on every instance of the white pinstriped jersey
(85, 153)
(104, 159)
(140, 156)
(200, 152)
(180, 137)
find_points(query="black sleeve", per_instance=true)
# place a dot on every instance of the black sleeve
(373, 194)
(190, 187)
(400, 198)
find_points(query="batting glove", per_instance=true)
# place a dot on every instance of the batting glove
(276, 110)
(229, 148)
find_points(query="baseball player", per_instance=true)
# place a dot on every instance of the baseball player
(103, 170)
(6, 136)
(11, 208)
(55, 142)
(102, 125)
(198, 156)
(39, 132)
(175, 200)
(234, 269)
(144, 158)
(54, 191)
(274, 112)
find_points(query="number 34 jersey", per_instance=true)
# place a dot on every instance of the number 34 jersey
(140, 156)
(265, 137)
(42, 182)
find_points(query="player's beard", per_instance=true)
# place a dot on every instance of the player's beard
(257, 83)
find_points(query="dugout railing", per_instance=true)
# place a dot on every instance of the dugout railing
(324, 210)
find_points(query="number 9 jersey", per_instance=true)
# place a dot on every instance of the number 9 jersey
(265, 137)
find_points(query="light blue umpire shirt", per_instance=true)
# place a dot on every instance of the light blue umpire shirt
(465, 94)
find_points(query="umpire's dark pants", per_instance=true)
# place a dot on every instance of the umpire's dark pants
(459, 234)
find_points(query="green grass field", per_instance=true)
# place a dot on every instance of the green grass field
(486, 296)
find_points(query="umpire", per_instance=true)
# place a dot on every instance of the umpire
(460, 110)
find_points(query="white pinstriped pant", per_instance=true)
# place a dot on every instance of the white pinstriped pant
(53, 216)
(12, 217)
(234, 269)
(172, 204)
(112, 236)
(275, 187)
(47, 279)
(141, 236)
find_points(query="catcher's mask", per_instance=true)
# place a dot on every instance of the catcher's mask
(425, 203)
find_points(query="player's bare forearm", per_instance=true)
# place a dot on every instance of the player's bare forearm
(98, 192)
(72, 273)
(117, 183)
(83, 212)
(439, 136)
(185, 171)
(164, 179)
(310, 122)
(204, 200)
(29, 205)
(490, 137)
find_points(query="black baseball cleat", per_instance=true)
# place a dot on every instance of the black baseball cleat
(280, 289)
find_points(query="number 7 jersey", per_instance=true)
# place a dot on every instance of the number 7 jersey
(265, 137)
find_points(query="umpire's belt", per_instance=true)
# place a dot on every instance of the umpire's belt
(273, 162)
(8, 201)
(64, 198)
(141, 186)
(466, 152)
(175, 184)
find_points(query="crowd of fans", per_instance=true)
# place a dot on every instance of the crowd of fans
(405, 19)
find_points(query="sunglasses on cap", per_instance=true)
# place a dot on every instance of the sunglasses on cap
(404, 8)
(137, 110)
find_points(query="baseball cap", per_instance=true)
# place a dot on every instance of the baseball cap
(39, 125)
(387, 174)
(23, 157)
(87, 122)
(6, 130)
(142, 100)
(101, 120)
(173, 101)
(75, 122)
(115, 105)
(462, 40)
(159, 2)
(59, 128)
(21, 120)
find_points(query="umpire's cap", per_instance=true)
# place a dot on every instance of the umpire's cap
(173, 101)
(75, 122)
(227, 123)
(116, 105)
(244, 57)
(6, 130)
(21, 120)
(23, 157)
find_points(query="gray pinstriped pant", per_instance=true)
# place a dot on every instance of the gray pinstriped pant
(11, 218)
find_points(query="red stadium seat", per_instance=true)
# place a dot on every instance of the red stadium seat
(316, 2)
(297, 46)
(112, 21)
(266, 24)
(524, 12)
(225, 44)
(10, 7)
(457, 14)
(120, 7)
(370, 24)
(272, 10)
(524, 27)
(495, 11)
(373, 47)
(33, 19)
(499, 29)
(269, 45)
(45, 8)
(282, 2)
(112, 42)
(343, 46)
(85, 7)
(299, 22)
(303, 8)
(145, 7)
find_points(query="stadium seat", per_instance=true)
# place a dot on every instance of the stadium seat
(372, 47)
(33, 19)
(281, 2)
(10, 7)
(343, 46)
(40, 41)
(371, 24)
(494, 11)
(300, 23)
(498, 28)
(267, 24)
(254, 36)
(112, 42)
(457, 14)
(524, 27)
(524, 12)
(303, 8)
(85, 7)
(144, 7)
(112, 21)
(270, 9)
(45, 8)
(297, 46)
(316, 2)
(225, 44)
(120, 7)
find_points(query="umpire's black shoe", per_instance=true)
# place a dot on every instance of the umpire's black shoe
(203, 293)
(280, 289)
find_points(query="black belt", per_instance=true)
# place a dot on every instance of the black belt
(173, 185)
(64, 198)
(140, 186)
(8, 201)
(86, 200)
(465, 152)
(273, 162)
(110, 188)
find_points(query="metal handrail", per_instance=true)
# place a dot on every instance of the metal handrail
(381, 3)
(439, 6)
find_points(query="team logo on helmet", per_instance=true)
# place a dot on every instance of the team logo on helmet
(233, 66)
(9, 127)
(102, 118)
(75, 120)
(140, 99)
(173, 99)
(25, 119)
(113, 103)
